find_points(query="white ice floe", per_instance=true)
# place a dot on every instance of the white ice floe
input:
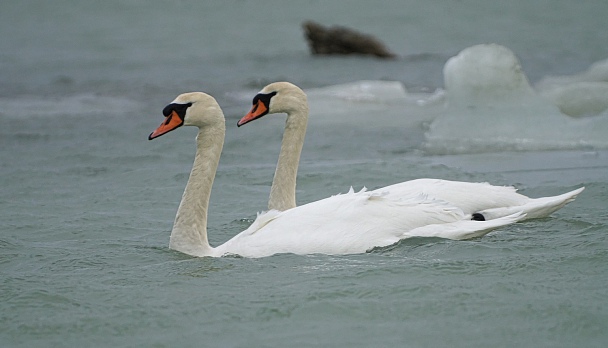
(490, 106)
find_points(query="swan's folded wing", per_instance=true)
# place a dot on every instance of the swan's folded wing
(535, 207)
(342, 224)
(464, 229)
(262, 220)
(471, 197)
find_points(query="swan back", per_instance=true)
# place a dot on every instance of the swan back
(354, 223)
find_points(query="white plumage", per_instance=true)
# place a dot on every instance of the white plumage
(342, 224)
(355, 223)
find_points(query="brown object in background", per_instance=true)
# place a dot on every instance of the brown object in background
(340, 40)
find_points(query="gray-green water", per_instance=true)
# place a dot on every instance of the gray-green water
(87, 202)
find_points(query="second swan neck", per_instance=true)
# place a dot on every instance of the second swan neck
(283, 190)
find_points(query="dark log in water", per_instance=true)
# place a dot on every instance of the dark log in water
(341, 41)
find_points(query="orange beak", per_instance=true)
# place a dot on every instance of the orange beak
(171, 122)
(258, 110)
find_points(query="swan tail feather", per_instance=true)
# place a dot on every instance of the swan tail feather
(535, 208)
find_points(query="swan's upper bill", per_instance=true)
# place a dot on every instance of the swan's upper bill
(174, 118)
(261, 106)
(176, 112)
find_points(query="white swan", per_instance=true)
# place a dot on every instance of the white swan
(342, 224)
(479, 200)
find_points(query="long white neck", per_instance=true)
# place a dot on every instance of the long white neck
(189, 234)
(283, 190)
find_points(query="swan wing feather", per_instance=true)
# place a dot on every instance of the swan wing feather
(354, 222)
(464, 229)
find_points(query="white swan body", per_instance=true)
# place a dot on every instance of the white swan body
(355, 223)
(341, 224)
(484, 200)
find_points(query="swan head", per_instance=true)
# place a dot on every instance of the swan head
(277, 97)
(189, 109)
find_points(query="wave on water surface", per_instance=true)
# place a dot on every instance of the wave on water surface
(80, 104)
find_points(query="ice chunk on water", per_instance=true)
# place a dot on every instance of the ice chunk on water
(490, 106)
(584, 94)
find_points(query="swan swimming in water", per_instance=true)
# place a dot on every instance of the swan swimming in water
(481, 201)
(349, 223)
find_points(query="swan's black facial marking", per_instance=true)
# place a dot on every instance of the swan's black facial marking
(180, 110)
(263, 99)
(478, 217)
